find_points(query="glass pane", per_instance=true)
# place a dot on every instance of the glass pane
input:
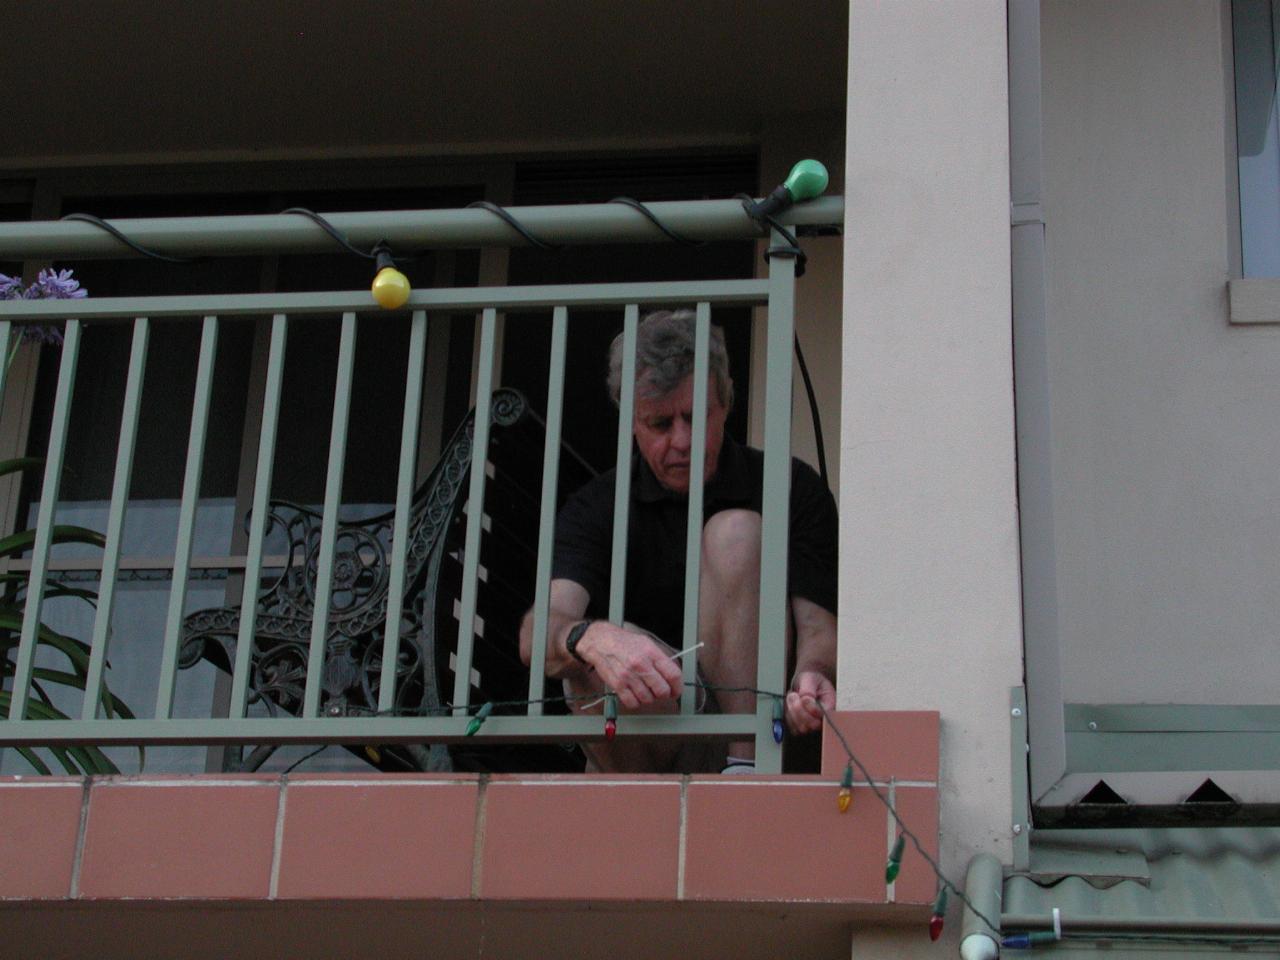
(1258, 135)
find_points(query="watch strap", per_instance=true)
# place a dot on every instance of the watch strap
(575, 635)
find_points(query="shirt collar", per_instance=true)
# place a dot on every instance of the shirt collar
(729, 484)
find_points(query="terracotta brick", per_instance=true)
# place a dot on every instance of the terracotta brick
(782, 841)
(182, 839)
(385, 840)
(39, 825)
(581, 840)
(898, 744)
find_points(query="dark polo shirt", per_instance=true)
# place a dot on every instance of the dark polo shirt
(658, 530)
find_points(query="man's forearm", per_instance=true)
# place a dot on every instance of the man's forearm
(815, 639)
(560, 662)
(568, 606)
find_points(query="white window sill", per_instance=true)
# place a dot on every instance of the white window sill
(1254, 300)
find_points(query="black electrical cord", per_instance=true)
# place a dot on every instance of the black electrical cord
(792, 245)
(132, 245)
(331, 230)
(813, 412)
(514, 224)
(378, 248)
(657, 222)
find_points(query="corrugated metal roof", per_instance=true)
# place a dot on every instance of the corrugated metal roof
(1196, 883)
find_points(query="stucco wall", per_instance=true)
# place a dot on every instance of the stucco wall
(1166, 439)
(930, 613)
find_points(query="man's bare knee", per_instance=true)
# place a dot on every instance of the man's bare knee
(731, 546)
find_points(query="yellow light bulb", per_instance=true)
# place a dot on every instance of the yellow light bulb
(391, 288)
(845, 797)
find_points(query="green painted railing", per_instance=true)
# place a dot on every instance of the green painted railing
(360, 316)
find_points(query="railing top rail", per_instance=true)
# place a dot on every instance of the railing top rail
(404, 230)
(721, 292)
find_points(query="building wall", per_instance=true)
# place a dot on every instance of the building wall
(930, 609)
(1166, 443)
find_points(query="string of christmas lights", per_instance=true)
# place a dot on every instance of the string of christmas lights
(844, 795)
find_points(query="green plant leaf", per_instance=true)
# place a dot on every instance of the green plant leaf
(37, 764)
(94, 760)
(40, 692)
(18, 464)
(74, 650)
(17, 543)
(58, 676)
(64, 758)
(52, 587)
(91, 759)
(112, 705)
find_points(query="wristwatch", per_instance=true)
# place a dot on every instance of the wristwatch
(575, 635)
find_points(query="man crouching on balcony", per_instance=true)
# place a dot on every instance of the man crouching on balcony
(592, 655)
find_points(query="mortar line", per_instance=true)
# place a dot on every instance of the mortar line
(78, 859)
(277, 843)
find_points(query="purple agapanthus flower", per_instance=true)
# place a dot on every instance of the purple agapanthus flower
(49, 285)
(10, 287)
(55, 285)
(43, 333)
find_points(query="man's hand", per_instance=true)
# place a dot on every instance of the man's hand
(808, 689)
(633, 665)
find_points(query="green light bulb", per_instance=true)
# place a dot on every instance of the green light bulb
(478, 720)
(807, 180)
(895, 859)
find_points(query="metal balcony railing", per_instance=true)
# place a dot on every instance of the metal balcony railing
(360, 316)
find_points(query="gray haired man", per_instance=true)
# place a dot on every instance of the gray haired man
(592, 655)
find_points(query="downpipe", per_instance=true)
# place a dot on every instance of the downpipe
(984, 888)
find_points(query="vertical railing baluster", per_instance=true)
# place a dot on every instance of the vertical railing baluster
(115, 519)
(6, 329)
(693, 541)
(404, 508)
(187, 517)
(622, 476)
(329, 525)
(475, 510)
(547, 517)
(24, 663)
(771, 664)
(258, 516)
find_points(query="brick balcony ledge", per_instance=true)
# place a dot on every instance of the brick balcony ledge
(757, 862)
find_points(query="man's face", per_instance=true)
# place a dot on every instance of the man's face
(664, 433)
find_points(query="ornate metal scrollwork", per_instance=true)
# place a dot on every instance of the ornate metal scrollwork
(356, 625)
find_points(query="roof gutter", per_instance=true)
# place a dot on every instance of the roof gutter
(1186, 926)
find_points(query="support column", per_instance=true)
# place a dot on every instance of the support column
(930, 611)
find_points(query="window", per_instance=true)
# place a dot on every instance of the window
(1256, 37)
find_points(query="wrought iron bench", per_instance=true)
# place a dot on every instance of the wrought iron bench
(430, 612)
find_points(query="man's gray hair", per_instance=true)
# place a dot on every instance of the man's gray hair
(664, 357)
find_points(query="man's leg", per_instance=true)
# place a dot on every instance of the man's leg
(729, 612)
(728, 621)
(625, 754)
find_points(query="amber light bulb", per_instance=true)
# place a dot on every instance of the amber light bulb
(845, 797)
